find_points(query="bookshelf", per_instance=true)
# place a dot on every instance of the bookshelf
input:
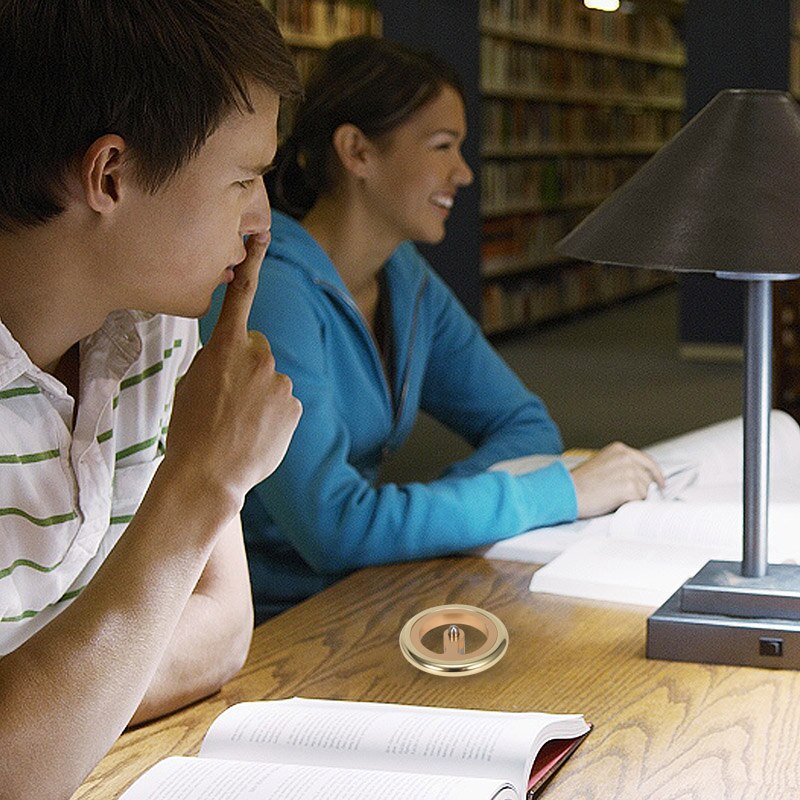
(315, 24)
(311, 26)
(573, 102)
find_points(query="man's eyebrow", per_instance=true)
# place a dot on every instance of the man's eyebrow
(260, 170)
(449, 131)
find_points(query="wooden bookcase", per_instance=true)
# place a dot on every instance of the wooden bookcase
(573, 103)
(310, 26)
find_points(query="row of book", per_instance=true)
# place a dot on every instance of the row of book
(794, 65)
(787, 346)
(519, 242)
(552, 183)
(516, 123)
(571, 18)
(543, 296)
(326, 19)
(506, 65)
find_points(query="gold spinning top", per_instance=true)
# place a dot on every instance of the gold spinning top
(454, 660)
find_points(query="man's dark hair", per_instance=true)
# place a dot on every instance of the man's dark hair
(162, 74)
(374, 84)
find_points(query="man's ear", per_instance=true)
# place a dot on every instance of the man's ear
(353, 149)
(102, 171)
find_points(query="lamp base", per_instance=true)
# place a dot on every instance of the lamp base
(764, 640)
(720, 588)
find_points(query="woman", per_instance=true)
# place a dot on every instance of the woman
(369, 334)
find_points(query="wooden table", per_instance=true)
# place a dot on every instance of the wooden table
(662, 730)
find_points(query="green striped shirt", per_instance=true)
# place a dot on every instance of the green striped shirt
(66, 497)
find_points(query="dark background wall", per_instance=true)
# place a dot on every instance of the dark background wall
(730, 44)
(449, 28)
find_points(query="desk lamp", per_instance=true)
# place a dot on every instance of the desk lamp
(722, 197)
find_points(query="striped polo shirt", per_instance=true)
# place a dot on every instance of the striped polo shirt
(67, 495)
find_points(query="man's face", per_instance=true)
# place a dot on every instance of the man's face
(183, 241)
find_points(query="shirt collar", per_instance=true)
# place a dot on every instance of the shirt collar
(119, 327)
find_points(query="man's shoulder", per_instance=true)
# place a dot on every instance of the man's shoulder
(163, 324)
(167, 329)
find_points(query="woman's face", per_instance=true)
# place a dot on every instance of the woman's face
(417, 172)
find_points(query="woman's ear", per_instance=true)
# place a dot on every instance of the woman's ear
(353, 149)
(101, 173)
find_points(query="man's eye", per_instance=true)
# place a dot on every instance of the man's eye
(246, 184)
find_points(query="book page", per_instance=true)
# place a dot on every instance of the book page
(524, 464)
(498, 745)
(541, 545)
(208, 779)
(650, 549)
(716, 527)
(703, 466)
(718, 450)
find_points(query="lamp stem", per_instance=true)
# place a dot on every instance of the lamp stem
(757, 405)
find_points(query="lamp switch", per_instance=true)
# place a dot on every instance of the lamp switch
(770, 646)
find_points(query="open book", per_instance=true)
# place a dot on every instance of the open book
(643, 552)
(303, 749)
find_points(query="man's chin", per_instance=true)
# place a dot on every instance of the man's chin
(190, 311)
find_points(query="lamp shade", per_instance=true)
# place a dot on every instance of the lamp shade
(723, 195)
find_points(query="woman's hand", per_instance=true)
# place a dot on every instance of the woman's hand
(615, 475)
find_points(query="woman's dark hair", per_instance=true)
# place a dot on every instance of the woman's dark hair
(374, 84)
(162, 74)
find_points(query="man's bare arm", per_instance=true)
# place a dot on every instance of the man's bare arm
(68, 692)
(213, 636)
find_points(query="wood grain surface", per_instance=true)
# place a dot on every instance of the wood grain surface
(661, 730)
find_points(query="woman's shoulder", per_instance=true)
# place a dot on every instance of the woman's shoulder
(407, 256)
(410, 268)
(292, 247)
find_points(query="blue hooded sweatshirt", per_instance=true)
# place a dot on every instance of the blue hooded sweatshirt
(323, 514)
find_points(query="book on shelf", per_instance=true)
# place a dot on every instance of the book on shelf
(647, 33)
(538, 68)
(642, 553)
(527, 299)
(324, 20)
(517, 128)
(302, 749)
(549, 183)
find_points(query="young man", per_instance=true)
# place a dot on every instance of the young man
(134, 134)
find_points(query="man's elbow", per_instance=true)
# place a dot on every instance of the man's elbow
(238, 646)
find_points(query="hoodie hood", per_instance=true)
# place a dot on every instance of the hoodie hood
(293, 246)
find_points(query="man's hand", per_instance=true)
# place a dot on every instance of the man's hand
(234, 415)
(615, 475)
